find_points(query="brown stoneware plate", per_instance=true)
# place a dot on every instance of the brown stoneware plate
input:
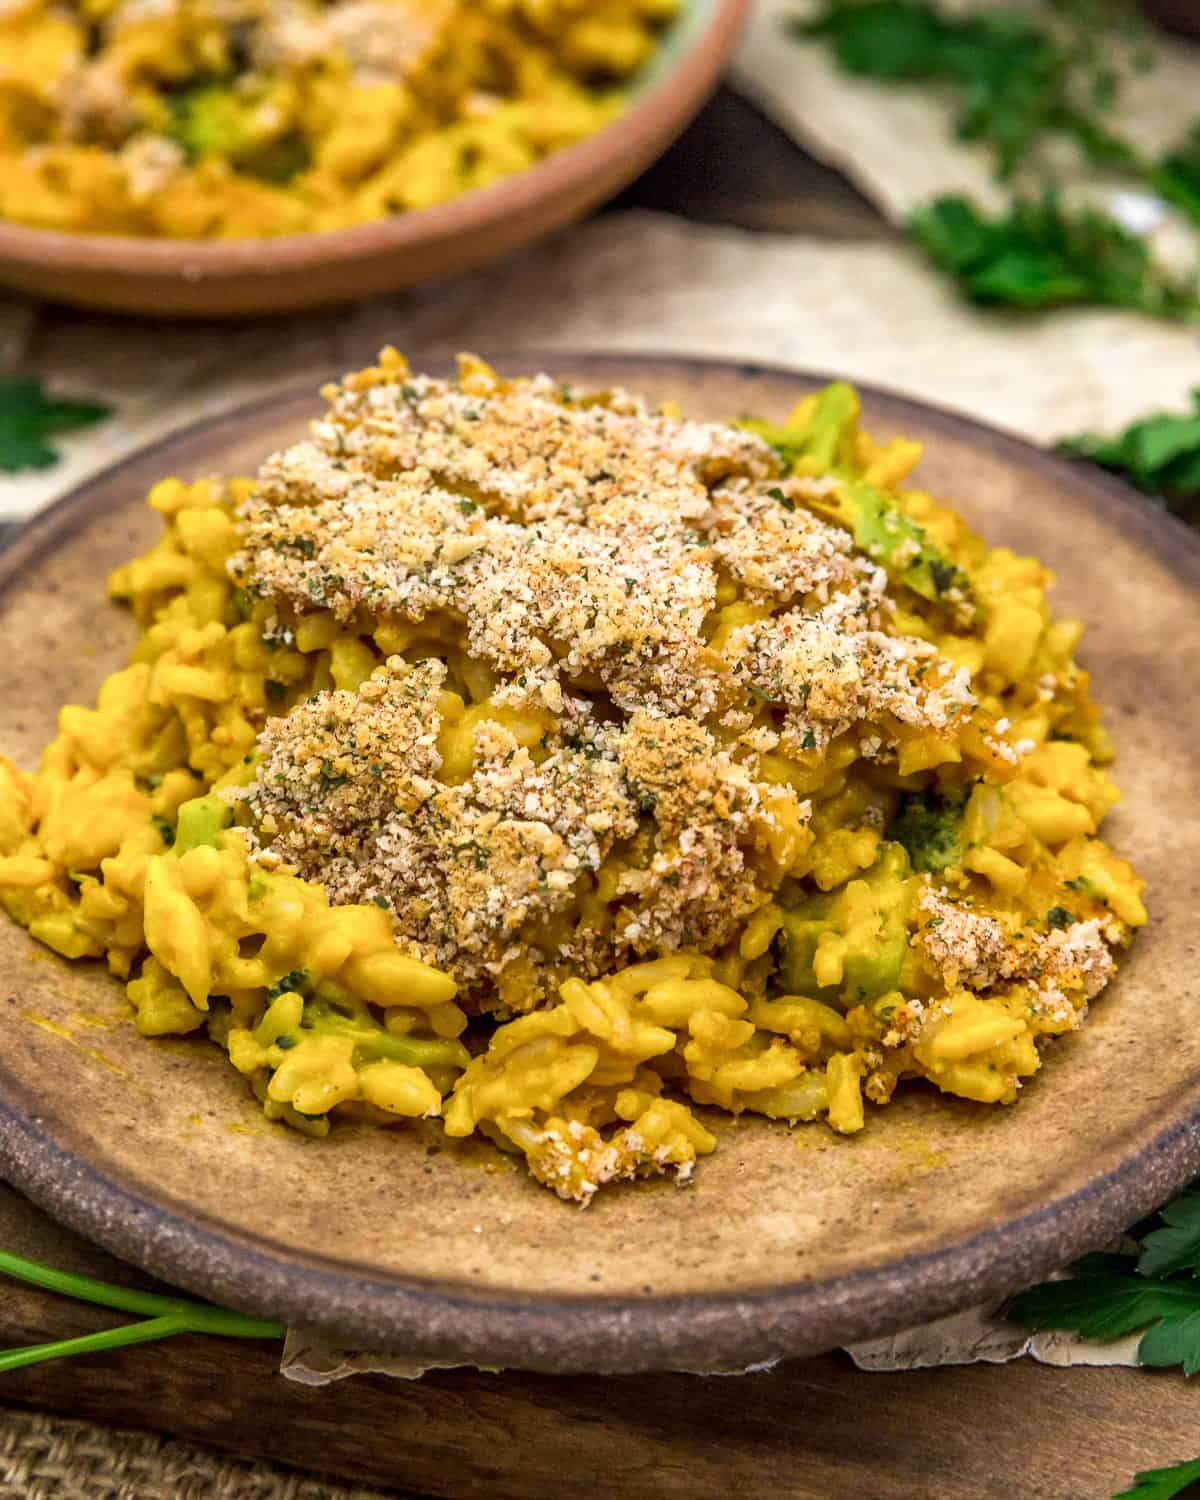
(788, 1242)
(165, 278)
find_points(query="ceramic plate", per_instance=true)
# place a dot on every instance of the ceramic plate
(788, 1242)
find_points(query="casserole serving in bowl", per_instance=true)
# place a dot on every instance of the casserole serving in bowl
(250, 262)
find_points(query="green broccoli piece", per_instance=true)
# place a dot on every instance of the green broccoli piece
(276, 161)
(870, 971)
(885, 533)
(826, 441)
(333, 1012)
(214, 119)
(929, 825)
(211, 120)
(825, 444)
(200, 820)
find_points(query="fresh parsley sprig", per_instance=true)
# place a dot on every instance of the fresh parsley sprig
(1105, 1299)
(1154, 1289)
(1041, 254)
(1159, 454)
(161, 1316)
(1163, 1484)
(1014, 82)
(29, 418)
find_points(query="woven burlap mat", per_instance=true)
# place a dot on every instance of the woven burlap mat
(51, 1458)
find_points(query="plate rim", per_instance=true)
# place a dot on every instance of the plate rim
(446, 1321)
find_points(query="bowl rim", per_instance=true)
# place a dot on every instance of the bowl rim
(708, 32)
(449, 1322)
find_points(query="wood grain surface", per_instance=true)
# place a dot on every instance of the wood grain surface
(813, 1430)
(733, 166)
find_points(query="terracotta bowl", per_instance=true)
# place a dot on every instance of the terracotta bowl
(788, 1242)
(237, 278)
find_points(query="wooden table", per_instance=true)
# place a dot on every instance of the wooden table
(813, 1430)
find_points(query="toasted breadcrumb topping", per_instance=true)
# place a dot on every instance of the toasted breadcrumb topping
(583, 545)
(580, 548)
(977, 951)
(347, 792)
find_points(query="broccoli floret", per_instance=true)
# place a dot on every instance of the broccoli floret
(824, 441)
(211, 120)
(296, 981)
(929, 825)
(199, 822)
(216, 120)
(885, 533)
(345, 1016)
(277, 161)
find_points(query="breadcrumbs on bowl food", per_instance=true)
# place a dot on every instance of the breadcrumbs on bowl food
(224, 119)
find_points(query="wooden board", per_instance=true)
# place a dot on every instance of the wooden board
(813, 1430)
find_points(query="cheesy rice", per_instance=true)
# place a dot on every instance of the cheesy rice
(230, 118)
(548, 763)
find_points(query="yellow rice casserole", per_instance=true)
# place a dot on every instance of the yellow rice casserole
(545, 762)
(232, 118)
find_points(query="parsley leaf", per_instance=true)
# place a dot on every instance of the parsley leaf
(1040, 255)
(1163, 1484)
(1015, 82)
(1176, 1246)
(1160, 454)
(28, 417)
(1104, 1301)
(1110, 1296)
(1177, 175)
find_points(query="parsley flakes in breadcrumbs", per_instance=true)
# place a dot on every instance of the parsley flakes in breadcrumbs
(574, 551)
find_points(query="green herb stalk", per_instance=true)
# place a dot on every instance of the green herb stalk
(162, 1316)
